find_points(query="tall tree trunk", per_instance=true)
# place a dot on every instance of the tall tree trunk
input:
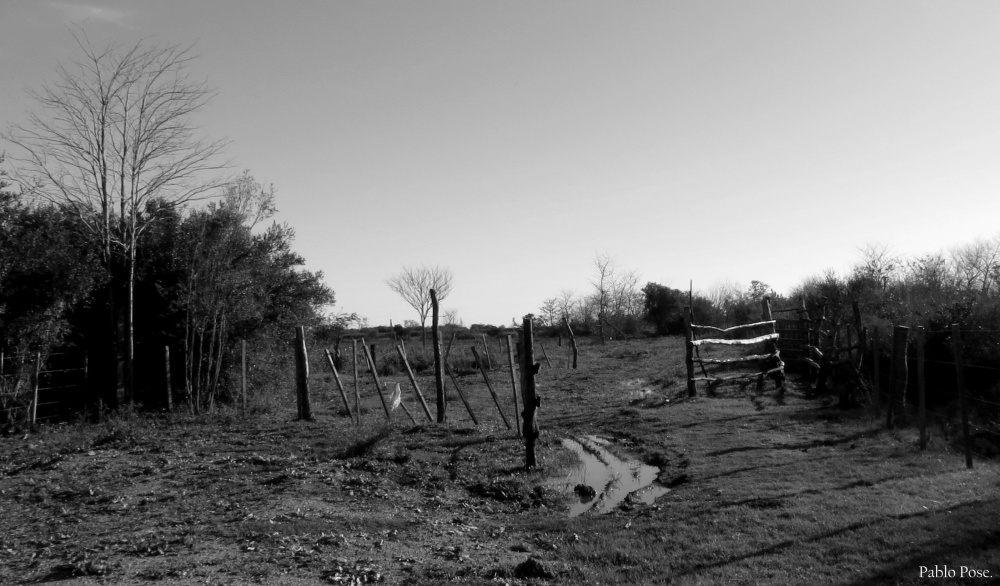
(129, 370)
(220, 348)
(209, 362)
(188, 360)
(198, 362)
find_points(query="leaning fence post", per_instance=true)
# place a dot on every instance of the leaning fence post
(956, 341)
(513, 385)
(921, 388)
(545, 355)
(378, 383)
(489, 386)
(461, 395)
(302, 374)
(898, 374)
(340, 385)
(528, 370)
(413, 381)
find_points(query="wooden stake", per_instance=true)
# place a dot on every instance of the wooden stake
(357, 383)
(513, 385)
(528, 370)
(956, 341)
(897, 377)
(572, 340)
(302, 374)
(340, 385)
(378, 383)
(779, 379)
(413, 381)
(461, 395)
(921, 391)
(489, 386)
(442, 404)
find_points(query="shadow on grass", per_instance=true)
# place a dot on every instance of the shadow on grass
(777, 501)
(956, 524)
(801, 446)
(365, 445)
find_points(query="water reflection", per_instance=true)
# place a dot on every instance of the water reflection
(602, 481)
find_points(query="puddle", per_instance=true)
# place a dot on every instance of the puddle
(611, 479)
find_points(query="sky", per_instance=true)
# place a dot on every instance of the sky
(513, 142)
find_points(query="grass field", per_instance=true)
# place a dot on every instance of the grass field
(763, 490)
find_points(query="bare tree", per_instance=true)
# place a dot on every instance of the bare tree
(549, 312)
(879, 264)
(977, 265)
(451, 318)
(414, 285)
(602, 283)
(567, 303)
(617, 297)
(115, 133)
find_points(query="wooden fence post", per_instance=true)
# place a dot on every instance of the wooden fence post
(438, 362)
(779, 379)
(378, 383)
(689, 353)
(489, 386)
(340, 385)
(572, 341)
(897, 374)
(34, 384)
(921, 388)
(166, 370)
(357, 383)
(531, 401)
(302, 374)
(956, 341)
(513, 385)
(413, 381)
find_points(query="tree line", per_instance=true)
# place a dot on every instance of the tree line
(102, 244)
